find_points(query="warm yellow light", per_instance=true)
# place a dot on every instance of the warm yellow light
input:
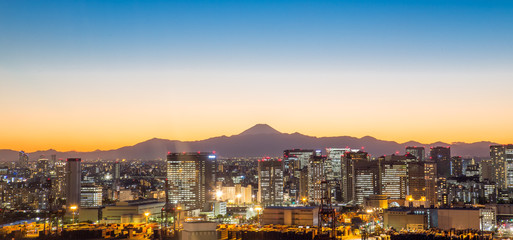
(239, 195)
(146, 214)
(179, 208)
(73, 207)
(258, 208)
(370, 211)
(219, 193)
(304, 199)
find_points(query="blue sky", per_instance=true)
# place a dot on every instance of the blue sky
(243, 62)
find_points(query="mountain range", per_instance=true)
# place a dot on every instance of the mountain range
(257, 141)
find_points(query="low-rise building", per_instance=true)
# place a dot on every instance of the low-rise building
(132, 211)
(298, 216)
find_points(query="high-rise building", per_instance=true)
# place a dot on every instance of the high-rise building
(442, 157)
(366, 180)
(53, 160)
(394, 179)
(23, 159)
(270, 182)
(43, 165)
(60, 179)
(348, 171)
(486, 171)
(334, 170)
(416, 180)
(294, 161)
(456, 166)
(73, 181)
(431, 182)
(418, 152)
(302, 156)
(91, 195)
(191, 179)
(316, 176)
(502, 165)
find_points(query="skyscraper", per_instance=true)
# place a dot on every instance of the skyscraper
(430, 182)
(348, 173)
(316, 175)
(418, 152)
(394, 179)
(456, 166)
(73, 181)
(334, 171)
(60, 179)
(366, 180)
(191, 178)
(23, 159)
(416, 180)
(300, 155)
(270, 182)
(502, 165)
(442, 157)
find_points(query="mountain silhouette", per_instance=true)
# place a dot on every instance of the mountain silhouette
(257, 141)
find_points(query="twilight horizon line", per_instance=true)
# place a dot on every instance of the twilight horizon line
(266, 130)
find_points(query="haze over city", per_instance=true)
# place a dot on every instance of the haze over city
(103, 75)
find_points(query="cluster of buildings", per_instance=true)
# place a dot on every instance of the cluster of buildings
(417, 183)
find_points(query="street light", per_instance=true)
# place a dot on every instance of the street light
(304, 199)
(258, 208)
(179, 208)
(73, 209)
(146, 214)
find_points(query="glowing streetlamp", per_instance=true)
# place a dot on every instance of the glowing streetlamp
(73, 209)
(146, 214)
(304, 199)
(179, 208)
(258, 209)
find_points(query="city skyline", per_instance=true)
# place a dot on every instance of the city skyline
(103, 75)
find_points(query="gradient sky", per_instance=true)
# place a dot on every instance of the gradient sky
(86, 75)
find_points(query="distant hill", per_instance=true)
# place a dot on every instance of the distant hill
(259, 140)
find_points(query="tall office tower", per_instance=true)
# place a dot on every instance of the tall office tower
(316, 175)
(456, 166)
(91, 195)
(486, 171)
(60, 179)
(430, 181)
(42, 165)
(366, 180)
(300, 155)
(334, 171)
(418, 152)
(270, 182)
(117, 170)
(394, 179)
(416, 180)
(115, 180)
(73, 181)
(502, 165)
(191, 178)
(303, 185)
(294, 161)
(442, 157)
(53, 160)
(23, 159)
(348, 173)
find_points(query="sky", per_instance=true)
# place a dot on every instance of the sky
(87, 75)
